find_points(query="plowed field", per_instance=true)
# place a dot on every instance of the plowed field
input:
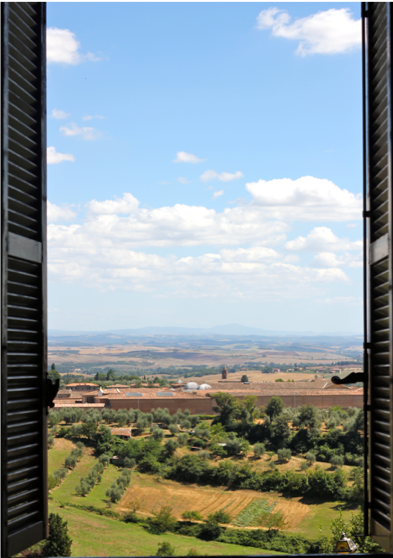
(152, 494)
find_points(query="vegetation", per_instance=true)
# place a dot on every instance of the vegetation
(59, 542)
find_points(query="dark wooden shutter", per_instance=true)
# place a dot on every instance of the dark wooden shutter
(23, 260)
(378, 91)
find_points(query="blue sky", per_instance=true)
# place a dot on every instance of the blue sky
(204, 165)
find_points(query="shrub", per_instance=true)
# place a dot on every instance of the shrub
(104, 459)
(284, 454)
(165, 549)
(337, 461)
(259, 449)
(70, 462)
(129, 462)
(311, 457)
(220, 516)
(158, 434)
(210, 531)
(173, 429)
(304, 466)
(182, 439)
(185, 424)
(162, 521)
(130, 517)
(204, 455)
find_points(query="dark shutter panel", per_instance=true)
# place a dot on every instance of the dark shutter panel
(23, 297)
(379, 191)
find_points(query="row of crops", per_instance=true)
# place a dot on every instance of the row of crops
(252, 512)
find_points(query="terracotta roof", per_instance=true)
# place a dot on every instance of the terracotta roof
(79, 405)
(80, 384)
(121, 431)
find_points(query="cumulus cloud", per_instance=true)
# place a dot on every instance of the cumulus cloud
(91, 117)
(209, 175)
(87, 133)
(53, 157)
(330, 32)
(330, 259)
(59, 212)
(59, 114)
(62, 47)
(322, 239)
(183, 157)
(183, 180)
(106, 250)
(218, 194)
(78, 255)
(306, 199)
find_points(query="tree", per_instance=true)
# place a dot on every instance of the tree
(165, 549)
(158, 434)
(59, 542)
(110, 376)
(162, 521)
(259, 449)
(308, 416)
(274, 407)
(280, 431)
(53, 367)
(220, 516)
(244, 378)
(337, 461)
(284, 454)
(311, 458)
(226, 406)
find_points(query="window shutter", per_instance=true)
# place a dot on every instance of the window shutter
(378, 158)
(23, 260)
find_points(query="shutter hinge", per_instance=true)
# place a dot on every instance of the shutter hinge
(367, 346)
(51, 391)
(366, 214)
(368, 407)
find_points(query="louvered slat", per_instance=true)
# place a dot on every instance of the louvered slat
(23, 404)
(379, 190)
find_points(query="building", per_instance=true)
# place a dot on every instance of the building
(224, 373)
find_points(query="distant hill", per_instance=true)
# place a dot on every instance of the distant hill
(228, 329)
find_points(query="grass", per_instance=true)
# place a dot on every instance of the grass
(66, 491)
(95, 535)
(56, 455)
(320, 515)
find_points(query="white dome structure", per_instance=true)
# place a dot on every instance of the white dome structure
(191, 386)
(179, 381)
(205, 386)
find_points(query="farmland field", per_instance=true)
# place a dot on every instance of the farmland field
(94, 535)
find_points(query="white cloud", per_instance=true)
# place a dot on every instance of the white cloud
(59, 213)
(209, 175)
(62, 47)
(53, 157)
(183, 157)
(218, 194)
(59, 114)
(91, 117)
(330, 259)
(322, 239)
(330, 32)
(128, 204)
(78, 254)
(306, 199)
(183, 180)
(85, 132)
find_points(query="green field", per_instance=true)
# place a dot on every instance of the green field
(95, 535)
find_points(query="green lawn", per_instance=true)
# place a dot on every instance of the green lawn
(56, 456)
(95, 535)
(66, 491)
(97, 496)
(320, 516)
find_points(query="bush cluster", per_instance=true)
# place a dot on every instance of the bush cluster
(116, 491)
(89, 482)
